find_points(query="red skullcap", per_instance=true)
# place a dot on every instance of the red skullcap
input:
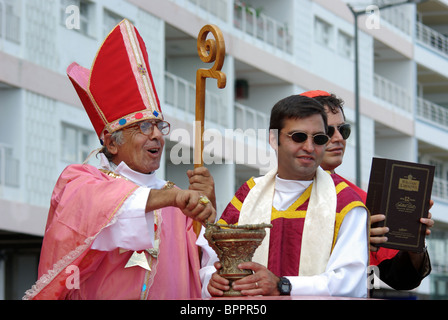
(315, 93)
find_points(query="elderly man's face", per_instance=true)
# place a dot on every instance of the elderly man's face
(140, 152)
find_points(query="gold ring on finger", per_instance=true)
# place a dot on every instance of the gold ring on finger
(203, 200)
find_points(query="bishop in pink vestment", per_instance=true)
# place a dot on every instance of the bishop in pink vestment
(112, 233)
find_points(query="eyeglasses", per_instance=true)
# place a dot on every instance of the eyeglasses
(147, 127)
(344, 129)
(318, 139)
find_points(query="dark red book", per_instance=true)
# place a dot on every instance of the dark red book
(401, 191)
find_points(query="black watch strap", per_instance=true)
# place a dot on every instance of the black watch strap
(284, 286)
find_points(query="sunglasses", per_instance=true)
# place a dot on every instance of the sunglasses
(344, 129)
(318, 139)
(147, 127)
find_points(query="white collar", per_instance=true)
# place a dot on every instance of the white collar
(146, 180)
(291, 186)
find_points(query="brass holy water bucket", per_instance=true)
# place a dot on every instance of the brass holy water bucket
(234, 244)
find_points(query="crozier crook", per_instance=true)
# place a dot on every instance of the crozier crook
(209, 50)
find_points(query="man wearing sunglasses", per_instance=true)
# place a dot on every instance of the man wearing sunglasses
(120, 232)
(401, 270)
(318, 242)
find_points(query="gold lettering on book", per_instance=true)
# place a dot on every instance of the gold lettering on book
(408, 183)
(406, 205)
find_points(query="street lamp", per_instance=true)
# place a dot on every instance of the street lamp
(356, 14)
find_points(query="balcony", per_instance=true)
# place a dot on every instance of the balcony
(218, 8)
(398, 17)
(438, 245)
(181, 94)
(440, 188)
(248, 118)
(262, 27)
(9, 168)
(392, 93)
(429, 111)
(431, 38)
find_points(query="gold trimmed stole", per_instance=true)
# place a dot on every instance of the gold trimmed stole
(318, 232)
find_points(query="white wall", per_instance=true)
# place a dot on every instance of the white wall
(400, 72)
(398, 148)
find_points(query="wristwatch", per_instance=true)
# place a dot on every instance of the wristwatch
(284, 286)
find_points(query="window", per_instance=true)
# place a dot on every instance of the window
(110, 21)
(76, 144)
(345, 45)
(323, 32)
(9, 167)
(10, 20)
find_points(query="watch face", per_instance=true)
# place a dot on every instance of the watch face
(284, 286)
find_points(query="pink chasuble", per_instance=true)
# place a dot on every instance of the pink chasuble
(84, 202)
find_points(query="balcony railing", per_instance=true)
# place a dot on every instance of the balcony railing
(438, 248)
(262, 27)
(216, 7)
(432, 38)
(9, 168)
(248, 118)
(181, 94)
(391, 92)
(440, 188)
(432, 112)
(399, 18)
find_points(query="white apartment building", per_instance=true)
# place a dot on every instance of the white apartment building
(274, 49)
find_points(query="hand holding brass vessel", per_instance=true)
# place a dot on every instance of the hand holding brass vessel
(234, 244)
